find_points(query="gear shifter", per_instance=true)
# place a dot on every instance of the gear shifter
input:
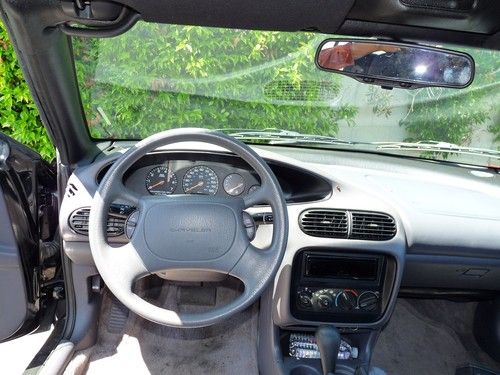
(328, 341)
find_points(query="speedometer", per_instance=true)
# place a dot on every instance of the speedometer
(200, 180)
(234, 184)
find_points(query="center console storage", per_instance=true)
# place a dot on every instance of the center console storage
(340, 287)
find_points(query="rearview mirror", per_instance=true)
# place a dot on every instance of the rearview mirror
(396, 64)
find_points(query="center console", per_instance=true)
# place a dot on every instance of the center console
(348, 292)
(339, 287)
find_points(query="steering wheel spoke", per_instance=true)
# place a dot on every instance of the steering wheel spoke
(127, 264)
(121, 192)
(253, 267)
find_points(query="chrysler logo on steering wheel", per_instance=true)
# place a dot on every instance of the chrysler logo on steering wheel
(190, 229)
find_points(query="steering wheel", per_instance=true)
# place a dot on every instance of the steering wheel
(186, 232)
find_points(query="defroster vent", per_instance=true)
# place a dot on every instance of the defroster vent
(356, 225)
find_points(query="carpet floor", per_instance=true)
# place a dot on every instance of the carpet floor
(147, 348)
(429, 337)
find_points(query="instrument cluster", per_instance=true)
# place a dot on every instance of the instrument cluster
(193, 177)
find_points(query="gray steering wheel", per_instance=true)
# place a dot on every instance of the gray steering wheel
(187, 232)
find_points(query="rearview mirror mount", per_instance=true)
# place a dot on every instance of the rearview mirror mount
(401, 65)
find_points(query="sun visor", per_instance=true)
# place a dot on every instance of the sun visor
(281, 15)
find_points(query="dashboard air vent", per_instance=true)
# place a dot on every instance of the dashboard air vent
(79, 222)
(372, 226)
(324, 223)
(356, 225)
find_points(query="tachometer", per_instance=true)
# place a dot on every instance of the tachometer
(200, 180)
(161, 181)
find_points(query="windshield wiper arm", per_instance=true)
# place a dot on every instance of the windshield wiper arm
(277, 136)
(434, 146)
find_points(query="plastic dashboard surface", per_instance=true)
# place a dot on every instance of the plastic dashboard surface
(447, 216)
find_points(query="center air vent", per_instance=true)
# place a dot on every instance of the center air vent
(356, 225)
(324, 223)
(372, 226)
(79, 222)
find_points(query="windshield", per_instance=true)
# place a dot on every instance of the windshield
(157, 77)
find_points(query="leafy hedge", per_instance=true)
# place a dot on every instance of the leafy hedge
(157, 77)
(453, 115)
(18, 114)
(163, 76)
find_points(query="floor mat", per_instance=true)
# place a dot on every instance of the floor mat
(148, 348)
(430, 337)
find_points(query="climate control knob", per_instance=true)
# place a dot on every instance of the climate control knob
(347, 300)
(304, 298)
(368, 301)
(325, 301)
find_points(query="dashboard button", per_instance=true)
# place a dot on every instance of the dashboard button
(131, 224)
(249, 225)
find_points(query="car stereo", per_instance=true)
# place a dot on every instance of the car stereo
(337, 287)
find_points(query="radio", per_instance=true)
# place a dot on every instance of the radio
(337, 287)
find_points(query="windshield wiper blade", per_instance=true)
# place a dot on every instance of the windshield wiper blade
(435, 146)
(277, 136)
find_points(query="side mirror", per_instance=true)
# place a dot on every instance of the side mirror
(400, 65)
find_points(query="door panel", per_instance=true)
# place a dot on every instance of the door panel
(27, 206)
(13, 299)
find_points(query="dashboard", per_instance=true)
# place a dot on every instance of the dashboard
(438, 224)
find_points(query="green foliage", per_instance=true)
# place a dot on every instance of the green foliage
(495, 130)
(18, 113)
(158, 77)
(452, 115)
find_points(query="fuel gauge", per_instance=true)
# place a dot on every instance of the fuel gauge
(253, 188)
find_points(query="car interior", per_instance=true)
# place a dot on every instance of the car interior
(186, 248)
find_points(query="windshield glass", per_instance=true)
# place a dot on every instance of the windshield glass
(157, 77)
